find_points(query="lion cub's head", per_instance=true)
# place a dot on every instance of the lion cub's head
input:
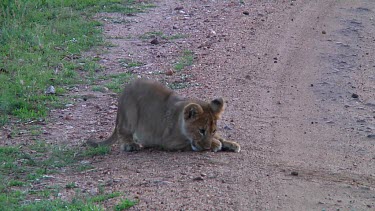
(200, 122)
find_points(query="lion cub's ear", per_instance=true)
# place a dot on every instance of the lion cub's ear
(217, 106)
(192, 110)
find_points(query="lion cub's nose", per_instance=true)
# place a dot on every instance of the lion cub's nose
(207, 147)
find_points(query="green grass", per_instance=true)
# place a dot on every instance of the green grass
(96, 151)
(129, 63)
(97, 88)
(124, 204)
(23, 169)
(41, 44)
(114, 82)
(185, 60)
(117, 81)
(176, 36)
(104, 197)
(71, 185)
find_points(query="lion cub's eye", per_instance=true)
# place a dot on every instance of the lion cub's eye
(214, 131)
(202, 131)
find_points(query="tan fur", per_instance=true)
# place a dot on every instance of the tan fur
(151, 115)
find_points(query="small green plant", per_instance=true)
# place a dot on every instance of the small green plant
(129, 63)
(118, 81)
(71, 185)
(15, 183)
(99, 89)
(124, 204)
(176, 36)
(104, 197)
(35, 130)
(186, 60)
(96, 151)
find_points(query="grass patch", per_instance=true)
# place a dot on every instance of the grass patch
(58, 204)
(71, 185)
(99, 89)
(127, 63)
(24, 168)
(41, 44)
(185, 60)
(97, 151)
(124, 204)
(117, 81)
(104, 197)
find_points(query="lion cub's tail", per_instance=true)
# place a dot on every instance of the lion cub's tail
(111, 140)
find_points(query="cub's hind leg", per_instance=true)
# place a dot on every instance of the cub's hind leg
(127, 141)
(228, 145)
(125, 130)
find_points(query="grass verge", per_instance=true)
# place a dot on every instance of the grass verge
(26, 171)
(41, 44)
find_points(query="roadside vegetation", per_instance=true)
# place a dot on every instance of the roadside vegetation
(41, 45)
(27, 180)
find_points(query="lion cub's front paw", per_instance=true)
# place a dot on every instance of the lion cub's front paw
(216, 145)
(131, 147)
(231, 146)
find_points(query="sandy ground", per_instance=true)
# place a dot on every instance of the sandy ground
(299, 80)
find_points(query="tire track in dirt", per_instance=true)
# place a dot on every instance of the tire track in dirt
(333, 163)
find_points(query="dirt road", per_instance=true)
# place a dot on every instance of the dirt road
(299, 80)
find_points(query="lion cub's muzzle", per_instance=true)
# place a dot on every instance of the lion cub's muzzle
(196, 147)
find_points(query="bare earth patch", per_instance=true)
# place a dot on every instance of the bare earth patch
(288, 70)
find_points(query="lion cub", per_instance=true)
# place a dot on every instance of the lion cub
(151, 115)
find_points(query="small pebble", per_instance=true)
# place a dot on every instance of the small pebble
(246, 12)
(294, 173)
(155, 41)
(226, 127)
(169, 72)
(50, 90)
(200, 178)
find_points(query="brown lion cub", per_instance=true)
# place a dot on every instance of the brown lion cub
(151, 115)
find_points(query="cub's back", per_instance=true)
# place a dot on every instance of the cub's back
(145, 105)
